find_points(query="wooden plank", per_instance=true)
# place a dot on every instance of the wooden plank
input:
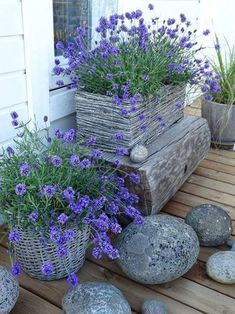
(10, 18)
(215, 184)
(218, 166)
(53, 291)
(210, 194)
(29, 303)
(11, 54)
(16, 82)
(216, 175)
(6, 130)
(185, 291)
(198, 274)
(222, 152)
(221, 159)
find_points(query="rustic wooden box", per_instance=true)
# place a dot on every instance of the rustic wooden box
(98, 115)
(173, 156)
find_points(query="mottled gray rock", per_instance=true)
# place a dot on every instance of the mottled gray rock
(221, 267)
(211, 223)
(9, 291)
(162, 249)
(139, 153)
(154, 307)
(230, 242)
(95, 298)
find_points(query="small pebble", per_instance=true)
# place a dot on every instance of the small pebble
(139, 154)
(154, 307)
(221, 267)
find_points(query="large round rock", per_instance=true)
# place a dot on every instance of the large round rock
(211, 223)
(95, 298)
(154, 307)
(162, 249)
(221, 267)
(9, 291)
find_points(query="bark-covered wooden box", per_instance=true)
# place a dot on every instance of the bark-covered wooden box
(98, 115)
(173, 156)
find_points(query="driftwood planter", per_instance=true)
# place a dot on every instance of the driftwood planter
(173, 156)
(221, 120)
(98, 115)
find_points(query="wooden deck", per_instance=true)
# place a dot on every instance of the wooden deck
(212, 182)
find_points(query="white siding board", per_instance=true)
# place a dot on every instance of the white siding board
(7, 132)
(61, 103)
(10, 18)
(12, 89)
(11, 54)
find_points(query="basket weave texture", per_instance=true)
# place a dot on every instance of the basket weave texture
(97, 115)
(31, 254)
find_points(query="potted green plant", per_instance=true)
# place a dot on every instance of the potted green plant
(134, 79)
(56, 196)
(219, 108)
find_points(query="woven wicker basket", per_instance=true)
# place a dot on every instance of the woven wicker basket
(31, 254)
(97, 115)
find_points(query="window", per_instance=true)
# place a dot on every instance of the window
(68, 14)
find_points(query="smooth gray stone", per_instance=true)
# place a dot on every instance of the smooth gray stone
(230, 242)
(162, 249)
(211, 223)
(95, 298)
(221, 267)
(139, 153)
(9, 291)
(154, 307)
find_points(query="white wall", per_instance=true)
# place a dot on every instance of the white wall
(13, 87)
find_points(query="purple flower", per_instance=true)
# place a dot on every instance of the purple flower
(24, 170)
(57, 70)
(109, 76)
(179, 105)
(97, 253)
(135, 178)
(74, 160)
(204, 89)
(182, 18)
(62, 250)
(47, 269)
(151, 6)
(14, 236)
(91, 141)
(14, 115)
(15, 122)
(69, 193)
(121, 151)
(209, 97)
(96, 154)
(217, 47)
(16, 269)
(170, 21)
(117, 163)
(10, 151)
(49, 190)
(146, 77)
(60, 83)
(59, 45)
(45, 118)
(119, 136)
(63, 218)
(69, 235)
(85, 163)
(58, 133)
(20, 189)
(102, 223)
(33, 216)
(206, 32)
(69, 136)
(72, 280)
(56, 161)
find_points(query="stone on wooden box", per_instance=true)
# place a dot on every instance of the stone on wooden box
(173, 157)
(97, 114)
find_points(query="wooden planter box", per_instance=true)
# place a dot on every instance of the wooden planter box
(98, 115)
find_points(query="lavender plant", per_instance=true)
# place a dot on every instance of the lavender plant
(48, 186)
(134, 58)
